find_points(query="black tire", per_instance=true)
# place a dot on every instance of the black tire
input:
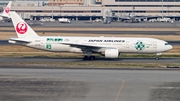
(92, 57)
(85, 58)
(89, 58)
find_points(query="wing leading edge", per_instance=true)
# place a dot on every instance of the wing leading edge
(88, 46)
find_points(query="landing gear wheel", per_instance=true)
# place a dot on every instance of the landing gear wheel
(85, 58)
(157, 58)
(89, 58)
(92, 57)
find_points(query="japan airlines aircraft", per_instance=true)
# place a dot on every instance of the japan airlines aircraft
(110, 47)
(5, 14)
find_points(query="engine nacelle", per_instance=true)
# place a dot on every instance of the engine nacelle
(1, 19)
(111, 53)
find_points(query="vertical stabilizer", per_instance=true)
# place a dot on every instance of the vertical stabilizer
(22, 29)
(7, 10)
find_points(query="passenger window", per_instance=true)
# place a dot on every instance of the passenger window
(59, 39)
(56, 39)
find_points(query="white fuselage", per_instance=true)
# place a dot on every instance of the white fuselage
(75, 44)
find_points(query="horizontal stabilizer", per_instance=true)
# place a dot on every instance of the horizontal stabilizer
(18, 41)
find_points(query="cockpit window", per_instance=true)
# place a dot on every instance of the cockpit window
(167, 44)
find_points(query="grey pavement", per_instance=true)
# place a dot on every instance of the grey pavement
(98, 59)
(89, 85)
(83, 24)
(106, 32)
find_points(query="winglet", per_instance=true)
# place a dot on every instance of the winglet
(23, 30)
(7, 10)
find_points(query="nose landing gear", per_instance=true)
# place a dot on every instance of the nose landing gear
(157, 56)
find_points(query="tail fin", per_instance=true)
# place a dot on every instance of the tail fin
(7, 10)
(23, 30)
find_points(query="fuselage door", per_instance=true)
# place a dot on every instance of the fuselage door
(154, 46)
(127, 46)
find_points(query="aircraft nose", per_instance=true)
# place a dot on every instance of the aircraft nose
(170, 47)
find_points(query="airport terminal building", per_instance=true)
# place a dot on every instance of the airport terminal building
(92, 9)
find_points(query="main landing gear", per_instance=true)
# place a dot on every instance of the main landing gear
(88, 56)
(157, 56)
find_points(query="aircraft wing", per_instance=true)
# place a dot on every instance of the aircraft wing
(88, 46)
(148, 17)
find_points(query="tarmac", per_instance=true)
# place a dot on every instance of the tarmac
(42, 84)
(82, 24)
(106, 32)
(98, 59)
(85, 24)
(88, 85)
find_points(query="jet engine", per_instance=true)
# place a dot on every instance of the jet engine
(111, 53)
(1, 19)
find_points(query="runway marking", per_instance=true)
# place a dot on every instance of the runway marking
(119, 91)
(165, 87)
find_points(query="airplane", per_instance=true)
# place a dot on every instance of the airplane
(109, 47)
(130, 17)
(5, 15)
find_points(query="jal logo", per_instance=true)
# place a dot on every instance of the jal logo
(21, 28)
(7, 9)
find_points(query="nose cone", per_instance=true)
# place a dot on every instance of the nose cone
(170, 47)
(163, 46)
